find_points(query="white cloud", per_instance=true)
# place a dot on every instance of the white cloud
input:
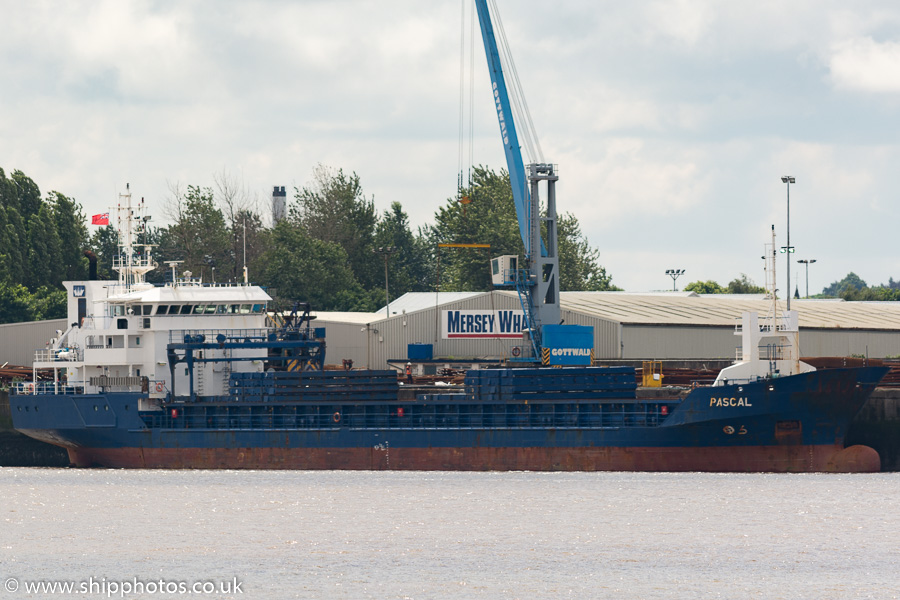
(685, 21)
(671, 122)
(862, 64)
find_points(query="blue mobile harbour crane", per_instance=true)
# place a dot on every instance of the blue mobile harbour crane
(537, 280)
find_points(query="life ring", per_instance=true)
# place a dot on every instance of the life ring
(516, 351)
(28, 388)
(160, 386)
(336, 417)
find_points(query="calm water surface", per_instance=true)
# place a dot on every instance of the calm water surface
(454, 535)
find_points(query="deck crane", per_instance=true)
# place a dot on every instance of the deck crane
(537, 282)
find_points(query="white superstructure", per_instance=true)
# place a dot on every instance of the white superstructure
(770, 347)
(118, 330)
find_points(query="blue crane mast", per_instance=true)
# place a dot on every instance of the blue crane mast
(538, 282)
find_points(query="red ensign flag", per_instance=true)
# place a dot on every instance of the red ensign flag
(100, 219)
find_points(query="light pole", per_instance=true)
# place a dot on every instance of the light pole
(807, 263)
(787, 179)
(675, 274)
(386, 251)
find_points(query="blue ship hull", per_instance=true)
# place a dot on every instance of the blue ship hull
(795, 423)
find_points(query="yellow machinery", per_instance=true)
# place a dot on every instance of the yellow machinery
(652, 373)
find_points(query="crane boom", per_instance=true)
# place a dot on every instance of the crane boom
(508, 134)
(538, 283)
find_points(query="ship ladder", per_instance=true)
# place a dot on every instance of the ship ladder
(226, 370)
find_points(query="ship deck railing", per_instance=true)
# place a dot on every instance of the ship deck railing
(24, 388)
(45, 355)
(734, 381)
(177, 336)
(399, 415)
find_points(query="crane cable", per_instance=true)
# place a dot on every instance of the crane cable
(518, 104)
(466, 147)
(462, 70)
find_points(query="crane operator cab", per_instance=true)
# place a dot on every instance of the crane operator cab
(504, 270)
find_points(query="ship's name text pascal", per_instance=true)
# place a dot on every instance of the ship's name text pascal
(729, 402)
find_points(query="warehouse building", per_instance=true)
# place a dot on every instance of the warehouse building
(627, 326)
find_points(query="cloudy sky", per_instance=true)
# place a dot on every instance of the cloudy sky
(671, 122)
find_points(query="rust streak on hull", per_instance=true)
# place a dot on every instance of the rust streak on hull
(820, 458)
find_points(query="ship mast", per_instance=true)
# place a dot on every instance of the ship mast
(134, 260)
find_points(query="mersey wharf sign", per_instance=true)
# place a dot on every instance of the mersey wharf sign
(476, 324)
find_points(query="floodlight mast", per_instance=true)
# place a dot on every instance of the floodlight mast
(675, 274)
(788, 180)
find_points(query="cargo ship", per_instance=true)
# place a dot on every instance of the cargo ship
(194, 375)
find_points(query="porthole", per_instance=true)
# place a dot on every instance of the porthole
(95, 408)
(106, 407)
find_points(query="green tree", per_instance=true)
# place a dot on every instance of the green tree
(334, 209)
(705, 287)
(744, 285)
(18, 305)
(16, 250)
(48, 303)
(105, 245)
(28, 194)
(408, 265)
(44, 251)
(198, 235)
(303, 268)
(9, 193)
(578, 266)
(837, 288)
(15, 303)
(254, 237)
(70, 228)
(490, 218)
(243, 224)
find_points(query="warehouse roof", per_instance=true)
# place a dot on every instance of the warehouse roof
(672, 308)
(413, 301)
(726, 309)
(687, 308)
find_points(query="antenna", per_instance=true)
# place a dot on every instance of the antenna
(172, 263)
(130, 263)
(245, 250)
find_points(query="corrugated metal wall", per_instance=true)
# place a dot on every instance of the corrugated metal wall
(18, 341)
(838, 342)
(606, 333)
(686, 342)
(375, 343)
(388, 338)
(678, 342)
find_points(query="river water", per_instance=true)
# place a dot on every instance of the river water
(416, 535)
